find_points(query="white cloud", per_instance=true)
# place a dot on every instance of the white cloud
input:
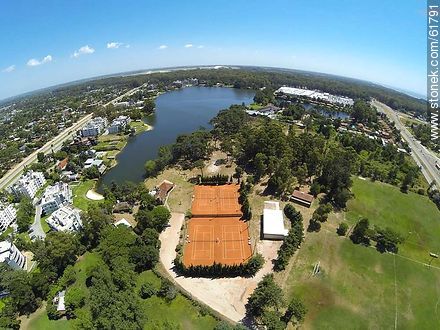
(200, 46)
(83, 50)
(163, 47)
(9, 69)
(188, 45)
(35, 62)
(113, 45)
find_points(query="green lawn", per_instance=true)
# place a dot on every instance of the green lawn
(180, 311)
(414, 216)
(44, 224)
(79, 192)
(360, 288)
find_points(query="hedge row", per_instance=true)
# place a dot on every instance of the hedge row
(248, 269)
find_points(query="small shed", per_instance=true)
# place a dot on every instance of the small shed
(163, 190)
(302, 198)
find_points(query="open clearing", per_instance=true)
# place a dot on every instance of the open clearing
(357, 285)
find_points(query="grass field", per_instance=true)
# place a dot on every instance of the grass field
(44, 224)
(79, 192)
(359, 288)
(179, 312)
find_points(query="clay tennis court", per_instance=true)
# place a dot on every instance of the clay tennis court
(212, 201)
(215, 232)
(223, 240)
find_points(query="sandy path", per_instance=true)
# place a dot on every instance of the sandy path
(227, 296)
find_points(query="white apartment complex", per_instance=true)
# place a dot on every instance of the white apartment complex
(66, 218)
(8, 215)
(119, 124)
(55, 196)
(12, 256)
(28, 184)
(94, 127)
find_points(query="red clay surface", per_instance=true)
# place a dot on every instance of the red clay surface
(223, 240)
(212, 201)
(215, 232)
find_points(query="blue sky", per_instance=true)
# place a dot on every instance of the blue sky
(56, 41)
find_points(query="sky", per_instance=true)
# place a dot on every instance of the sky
(44, 43)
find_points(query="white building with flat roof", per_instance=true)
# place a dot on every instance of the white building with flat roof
(273, 221)
(315, 95)
(66, 218)
(12, 256)
(94, 127)
(119, 124)
(28, 184)
(55, 196)
(8, 215)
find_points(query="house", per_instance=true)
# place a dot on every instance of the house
(62, 164)
(302, 198)
(161, 192)
(10, 255)
(95, 162)
(119, 124)
(59, 301)
(69, 176)
(8, 215)
(66, 218)
(28, 184)
(273, 221)
(122, 222)
(55, 196)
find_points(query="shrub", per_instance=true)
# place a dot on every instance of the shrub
(147, 290)
(342, 229)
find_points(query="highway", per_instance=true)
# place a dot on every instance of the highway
(423, 157)
(55, 144)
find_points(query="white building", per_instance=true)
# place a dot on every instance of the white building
(95, 162)
(66, 218)
(273, 222)
(119, 124)
(94, 127)
(55, 196)
(315, 95)
(8, 215)
(12, 256)
(28, 184)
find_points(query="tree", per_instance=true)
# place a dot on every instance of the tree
(18, 283)
(342, 229)
(315, 188)
(200, 164)
(267, 294)
(149, 106)
(25, 214)
(271, 319)
(94, 222)
(301, 174)
(91, 172)
(360, 231)
(40, 157)
(387, 240)
(58, 250)
(150, 168)
(147, 290)
(295, 312)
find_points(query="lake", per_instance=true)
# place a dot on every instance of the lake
(177, 112)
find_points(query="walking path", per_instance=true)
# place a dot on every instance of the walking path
(228, 296)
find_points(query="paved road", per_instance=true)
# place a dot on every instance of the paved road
(36, 228)
(55, 144)
(423, 157)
